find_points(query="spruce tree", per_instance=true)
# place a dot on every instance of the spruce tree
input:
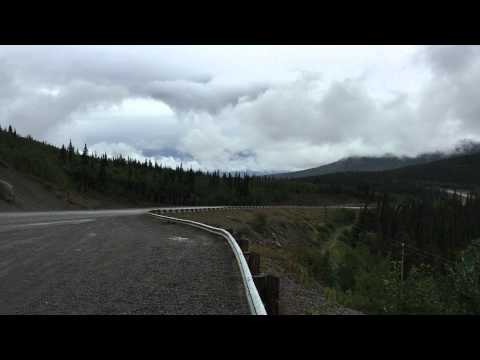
(63, 154)
(102, 174)
(85, 154)
(71, 151)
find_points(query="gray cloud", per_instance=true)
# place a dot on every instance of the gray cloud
(41, 87)
(451, 60)
(129, 66)
(452, 96)
(34, 112)
(217, 122)
(190, 96)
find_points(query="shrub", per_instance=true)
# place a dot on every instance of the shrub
(464, 278)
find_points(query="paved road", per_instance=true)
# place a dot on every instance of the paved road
(114, 262)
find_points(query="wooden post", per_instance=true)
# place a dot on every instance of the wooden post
(268, 287)
(403, 261)
(260, 283)
(253, 260)
(273, 291)
(243, 243)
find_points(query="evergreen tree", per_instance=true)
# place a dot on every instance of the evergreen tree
(63, 154)
(85, 154)
(102, 174)
(71, 152)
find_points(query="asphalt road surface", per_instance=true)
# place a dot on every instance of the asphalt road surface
(114, 262)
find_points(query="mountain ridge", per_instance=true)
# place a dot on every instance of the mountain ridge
(382, 163)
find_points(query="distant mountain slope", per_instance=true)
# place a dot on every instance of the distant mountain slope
(365, 163)
(382, 163)
(461, 169)
(458, 170)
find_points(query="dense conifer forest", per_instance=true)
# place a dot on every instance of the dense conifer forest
(71, 169)
(414, 254)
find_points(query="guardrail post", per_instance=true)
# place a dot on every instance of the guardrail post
(253, 261)
(268, 287)
(243, 243)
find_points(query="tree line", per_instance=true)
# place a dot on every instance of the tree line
(145, 181)
(434, 226)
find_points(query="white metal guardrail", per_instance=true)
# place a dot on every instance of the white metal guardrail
(254, 301)
(246, 207)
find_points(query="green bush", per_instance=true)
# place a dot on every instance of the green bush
(372, 283)
(464, 278)
(421, 294)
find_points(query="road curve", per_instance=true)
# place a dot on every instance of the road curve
(114, 262)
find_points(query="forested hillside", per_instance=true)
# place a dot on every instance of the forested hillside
(67, 169)
(455, 172)
(357, 164)
(360, 163)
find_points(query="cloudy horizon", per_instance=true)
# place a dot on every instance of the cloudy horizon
(235, 108)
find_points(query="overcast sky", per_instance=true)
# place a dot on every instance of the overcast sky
(261, 108)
